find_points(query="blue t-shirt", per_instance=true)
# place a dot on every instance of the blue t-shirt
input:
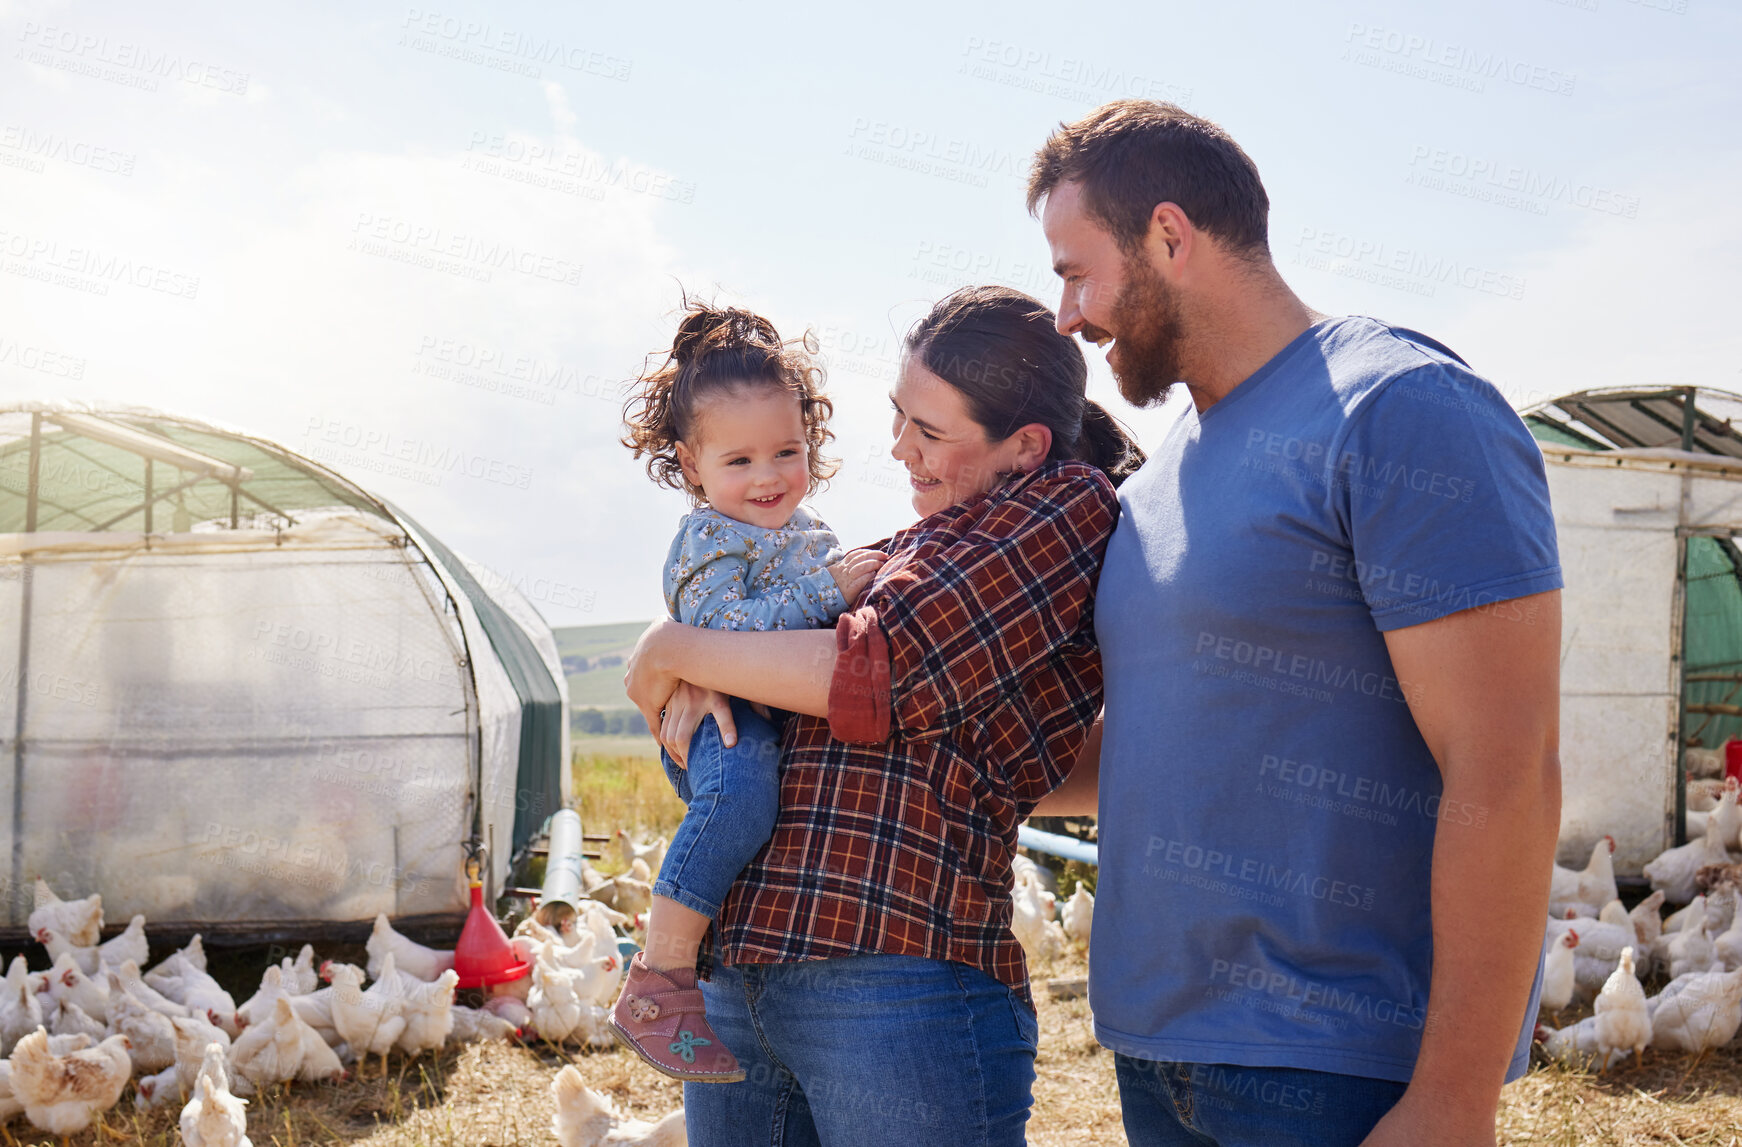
(1267, 803)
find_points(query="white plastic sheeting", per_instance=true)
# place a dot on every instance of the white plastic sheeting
(252, 726)
(1617, 514)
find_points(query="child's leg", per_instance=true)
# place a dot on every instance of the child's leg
(732, 798)
(674, 935)
(733, 794)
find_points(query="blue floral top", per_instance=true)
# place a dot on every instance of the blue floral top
(724, 574)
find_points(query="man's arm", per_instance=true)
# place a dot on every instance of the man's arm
(1080, 792)
(1484, 688)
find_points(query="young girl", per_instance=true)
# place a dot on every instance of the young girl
(736, 419)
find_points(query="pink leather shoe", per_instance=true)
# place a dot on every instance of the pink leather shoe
(660, 1017)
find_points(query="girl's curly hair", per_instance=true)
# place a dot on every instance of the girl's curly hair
(718, 350)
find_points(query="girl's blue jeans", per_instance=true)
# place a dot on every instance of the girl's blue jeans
(732, 794)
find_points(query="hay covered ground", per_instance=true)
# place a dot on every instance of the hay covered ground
(498, 1095)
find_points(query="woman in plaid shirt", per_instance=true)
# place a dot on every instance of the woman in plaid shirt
(867, 976)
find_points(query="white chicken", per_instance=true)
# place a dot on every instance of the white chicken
(1674, 869)
(214, 1117)
(652, 855)
(1077, 917)
(511, 1010)
(1690, 949)
(411, 958)
(1697, 1013)
(20, 1006)
(150, 1035)
(70, 1019)
(155, 1090)
(1578, 1046)
(1727, 945)
(1558, 980)
(259, 1005)
(193, 1037)
(1623, 1020)
(630, 893)
(1704, 795)
(130, 944)
(602, 922)
(1646, 917)
(80, 922)
(300, 977)
(1725, 819)
(193, 987)
(283, 1048)
(1024, 868)
(1032, 922)
(370, 1022)
(429, 1016)
(1587, 890)
(593, 977)
(1701, 762)
(554, 1002)
(134, 984)
(10, 1105)
(66, 983)
(1599, 950)
(62, 1094)
(584, 1118)
(474, 1025)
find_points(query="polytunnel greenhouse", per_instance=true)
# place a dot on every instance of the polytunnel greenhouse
(241, 694)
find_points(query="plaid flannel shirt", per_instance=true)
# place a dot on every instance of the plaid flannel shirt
(964, 686)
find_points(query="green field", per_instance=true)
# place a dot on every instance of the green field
(597, 686)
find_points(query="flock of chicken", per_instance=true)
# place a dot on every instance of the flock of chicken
(1043, 927)
(1599, 948)
(76, 1034)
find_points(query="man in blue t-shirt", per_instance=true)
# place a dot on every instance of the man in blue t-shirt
(1328, 780)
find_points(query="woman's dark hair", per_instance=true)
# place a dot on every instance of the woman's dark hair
(718, 350)
(1002, 350)
(1130, 155)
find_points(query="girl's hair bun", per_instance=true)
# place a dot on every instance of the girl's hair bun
(706, 328)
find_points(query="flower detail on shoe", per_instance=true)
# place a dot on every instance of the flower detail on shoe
(643, 1009)
(684, 1047)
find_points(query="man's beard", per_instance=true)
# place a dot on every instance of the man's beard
(1146, 317)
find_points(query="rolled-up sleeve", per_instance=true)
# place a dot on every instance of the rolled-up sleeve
(972, 609)
(859, 691)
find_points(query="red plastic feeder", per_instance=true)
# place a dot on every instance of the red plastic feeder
(484, 957)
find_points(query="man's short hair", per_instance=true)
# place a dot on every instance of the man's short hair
(1130, 155)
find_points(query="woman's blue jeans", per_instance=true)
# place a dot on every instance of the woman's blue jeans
(866, 1051)
(732, 796)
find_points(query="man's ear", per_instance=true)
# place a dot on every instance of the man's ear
(1033, 443)
(1170, 235)
(687, 460)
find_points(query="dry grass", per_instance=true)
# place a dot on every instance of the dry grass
(624, 792)
(498, 1095)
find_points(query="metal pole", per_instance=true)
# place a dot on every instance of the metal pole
(15, 902)
(1690, 418)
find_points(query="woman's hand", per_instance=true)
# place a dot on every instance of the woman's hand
(685, 711)
(651, 680)
(855, 570)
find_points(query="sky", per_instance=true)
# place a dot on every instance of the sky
(426, 245)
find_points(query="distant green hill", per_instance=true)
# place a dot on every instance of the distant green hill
(593, 657)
